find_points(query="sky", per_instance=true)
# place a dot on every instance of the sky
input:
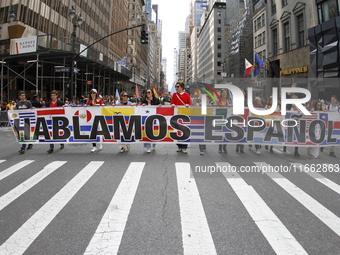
(173, 15)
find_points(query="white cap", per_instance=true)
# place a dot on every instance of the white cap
(94, 90)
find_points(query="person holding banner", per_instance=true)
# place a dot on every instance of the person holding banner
(180, 97)
(55, 102)
(124, 101)
(257, 104)
(94, 100)
(226, 101)
(149, 99)
(23, 104)
(333, 107)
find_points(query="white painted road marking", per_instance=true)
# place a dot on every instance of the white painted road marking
(31, 229)
(278, 236)
(10, 196)
(109, 233)
(14, 168)
(196, 234)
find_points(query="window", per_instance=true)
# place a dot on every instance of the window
(284, 3)
(286, 36)
(255, 41)
(219, 29)
(273, 7)
(259, 22)
(259, 39)
(275, 46)
(219, 46)
(219, 38)
(219, 55)
(218, 21)
(218, 63)
(218, 13)
(301, 30)
(264, 37)
(263, 21)
(264, 55)
(328, 10)
(255, 27)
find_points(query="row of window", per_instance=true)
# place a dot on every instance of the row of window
(260, 39)
(286, 35)
(259, 22)
(283, 2)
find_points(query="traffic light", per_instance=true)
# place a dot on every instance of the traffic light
(144, 37)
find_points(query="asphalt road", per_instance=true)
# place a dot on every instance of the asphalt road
(164, 202)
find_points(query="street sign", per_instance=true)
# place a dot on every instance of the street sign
(65, 70)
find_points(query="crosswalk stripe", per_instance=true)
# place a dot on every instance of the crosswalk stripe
(326, 216)
(109, 233)
(278, 236)
(14, 168)
(30, 230)
(2, 160)
(28, 184)
(320, 178)
(196, 234)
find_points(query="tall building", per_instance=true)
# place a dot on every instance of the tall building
(288, 48)
(137, 53)
(324, 50)
(211, 46)
(182, 48)
(239, 37)
(53, 40)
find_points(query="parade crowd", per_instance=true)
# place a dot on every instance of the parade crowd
(180, 97)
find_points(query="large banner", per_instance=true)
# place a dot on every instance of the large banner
(133, 124)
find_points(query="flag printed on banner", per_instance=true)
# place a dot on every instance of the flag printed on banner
(248, 67)
(257, 65)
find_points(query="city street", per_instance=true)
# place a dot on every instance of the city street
(165, 202)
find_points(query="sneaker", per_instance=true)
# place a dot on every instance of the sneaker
(258, 152)
(185, 151)
(22, 151)
(94, 149)
(266, 147)
(237, 149)
(148, 150)
(128, 147)
(242, 151)
(30, 146)
(62, 146)
(179, 150)
(50, 151)
(219, 151)
(250, 147)
(100, 147)
(332, 154)
(271, 150)
(122, 149)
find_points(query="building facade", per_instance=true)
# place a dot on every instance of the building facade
(324, 50)
(57, 39)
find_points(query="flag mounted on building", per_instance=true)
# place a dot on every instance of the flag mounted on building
(248, 67)
(257, 65)
(122, 62)
(155, 92)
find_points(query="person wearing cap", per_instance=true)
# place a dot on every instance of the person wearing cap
(94, 100)
(54, 102)
(36, 102)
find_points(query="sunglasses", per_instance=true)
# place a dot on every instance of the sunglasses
(177, 86)
(93, 92)
(125, 95)
(148, 92)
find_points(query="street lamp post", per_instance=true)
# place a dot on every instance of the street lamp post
(77, 20)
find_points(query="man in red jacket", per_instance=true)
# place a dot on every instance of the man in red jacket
(180, 97)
